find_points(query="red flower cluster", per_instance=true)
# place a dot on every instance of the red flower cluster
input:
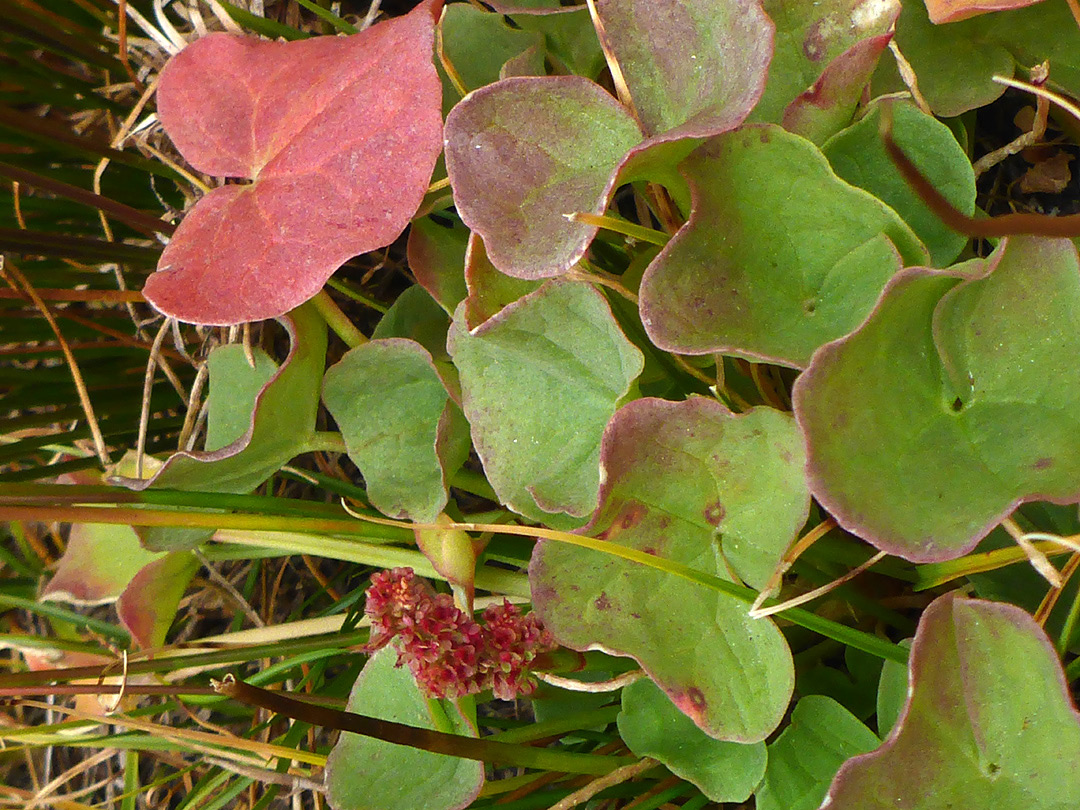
(449, 653)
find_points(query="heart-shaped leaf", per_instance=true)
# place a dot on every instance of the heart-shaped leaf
(539, 382)
(651, 726)
(522, 153)
(690, 482)
(400, 426)
(949, 406)
(750, 273)
(338, 135)
(989, 721)
(694, 68)
(363, 773)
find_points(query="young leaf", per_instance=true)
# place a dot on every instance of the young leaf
(399, 425)
(778, 257)
(363, 773)
(827, 107)
(693, 483)
(988, 723)
(338, 135)
(539, 382)
(956, 379)
(651, 726)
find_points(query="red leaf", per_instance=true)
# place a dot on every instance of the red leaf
(339, 136)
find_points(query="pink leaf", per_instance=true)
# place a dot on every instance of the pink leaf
(947, 11)
(339, 136)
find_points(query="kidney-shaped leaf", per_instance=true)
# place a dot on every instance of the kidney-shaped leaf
(685, 481)
(988, 722)
(694, 68)
(778, 257)
(399, 425)
(539, 382)
(363, 773)
(523, 152)
(952, 404)
(651, 726)
(339, 136)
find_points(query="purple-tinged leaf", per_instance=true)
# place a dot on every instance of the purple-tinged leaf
(400, 427)
(826, 108)
(436, 256)
(98, 563)
(989, 721)
(753, 275)
(148, 605)
(693, 483)
(539, 382)
(524, 152)
(339, 136)
(947, 408)
(489, 290)
(947, 11)
(363, 773)
(809, 36)
(106, 563)
(694, 68)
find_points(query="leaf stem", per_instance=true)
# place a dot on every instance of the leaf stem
(337, 320)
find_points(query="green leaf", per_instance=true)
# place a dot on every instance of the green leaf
(948, 407)
(539, 381)
(417, 316)
(363, 773)
(778, 257)
(568, 36)
(989, 721)
(892, 694)
(810, 36)
(651, 726)
(281, 426)
(234, 386)
(478, 43)
(399, 424)
(956, 62)
(806, 757)
(692, 483)
(522, 153)
(858, 156)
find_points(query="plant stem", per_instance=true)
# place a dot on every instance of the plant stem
(337, 320)
(453, 745)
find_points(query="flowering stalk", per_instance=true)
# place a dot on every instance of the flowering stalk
(447, 651)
